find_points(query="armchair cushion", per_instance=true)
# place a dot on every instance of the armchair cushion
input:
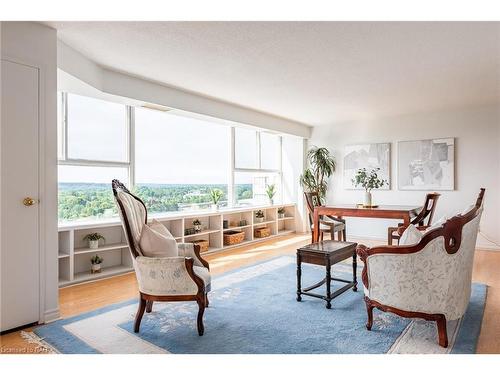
(156, 241)
(410, 236)
(166, 276)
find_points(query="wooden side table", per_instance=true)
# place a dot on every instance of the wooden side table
(326, 253)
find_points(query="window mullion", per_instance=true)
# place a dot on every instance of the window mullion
(64, 137)
(259, 164)
(131, 145)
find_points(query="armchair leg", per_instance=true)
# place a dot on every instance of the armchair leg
(206, 300)
(389, 236)
(140, 313)
(149, 306)
(369, 312)
(442, 333)
(201, 310)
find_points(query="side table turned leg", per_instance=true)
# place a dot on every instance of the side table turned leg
(328, 281)
(299, 275)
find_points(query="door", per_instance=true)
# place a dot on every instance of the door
(20, 247)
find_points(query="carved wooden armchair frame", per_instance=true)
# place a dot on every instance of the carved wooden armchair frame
(191, 257)
(452, 233)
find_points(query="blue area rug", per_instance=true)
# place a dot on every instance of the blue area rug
(253, 310)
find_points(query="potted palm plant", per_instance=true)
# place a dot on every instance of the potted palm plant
(93, 239)
(259, 216)
(271, 192)
(216, 195)
(369, 181)
(96, 262)
(322, 166)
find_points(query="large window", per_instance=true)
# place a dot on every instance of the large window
(178, 160)
(93, 149)
(171, 161)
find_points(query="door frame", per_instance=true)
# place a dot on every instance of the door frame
(42, 159)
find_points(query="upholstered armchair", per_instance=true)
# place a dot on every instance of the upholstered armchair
(185, 277)
(430, 279)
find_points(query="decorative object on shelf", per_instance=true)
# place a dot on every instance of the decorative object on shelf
(203, 244)
(233, 237)
(93, 239)
(197, 226)
(225, 224)
(243, 223)
(426, 164)
(96, 262)
(281, 212)
(189, 231)
(259, 216)
(369, 156)
(262, 232)
(271, 192)
(216, 195)
(322, 165)
(369, 181)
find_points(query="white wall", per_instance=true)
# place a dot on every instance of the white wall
(36, 45)
(292, 162)
(477, 163)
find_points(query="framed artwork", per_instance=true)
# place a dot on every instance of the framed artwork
(369, 156)
(426, 164)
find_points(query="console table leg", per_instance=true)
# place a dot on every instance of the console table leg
(328, 282)
(299, 276)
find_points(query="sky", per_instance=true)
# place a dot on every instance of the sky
(169, 149)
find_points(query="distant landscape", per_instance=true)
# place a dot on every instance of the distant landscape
(87, 200)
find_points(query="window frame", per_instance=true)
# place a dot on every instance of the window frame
(130, 164)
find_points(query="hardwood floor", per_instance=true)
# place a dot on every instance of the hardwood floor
(78, 299)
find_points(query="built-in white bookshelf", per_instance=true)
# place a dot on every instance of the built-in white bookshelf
(74, 253)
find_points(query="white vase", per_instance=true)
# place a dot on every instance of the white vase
(368, 198)
(259, 219)
(271, 201)
(94, 244)
(96, 268)
(215, 207)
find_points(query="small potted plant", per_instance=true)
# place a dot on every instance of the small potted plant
(271, 191)
(96, 262)
(93, 239)
(281, 212)
(216, 195)
(197, 226)
(369, 181)
(259, 216)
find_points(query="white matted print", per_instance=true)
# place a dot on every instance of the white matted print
(426, 164)
(369, 156)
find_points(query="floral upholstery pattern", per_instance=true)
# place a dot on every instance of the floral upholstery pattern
(167, 276)
(430, 280)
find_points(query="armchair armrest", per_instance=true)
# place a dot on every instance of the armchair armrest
(167, 276)
(193, 251)
(402, 228)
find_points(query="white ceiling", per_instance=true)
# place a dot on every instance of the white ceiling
(317, 73)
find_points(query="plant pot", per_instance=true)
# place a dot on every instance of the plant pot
(215, 207)
(271, 202)
(96, 268)
(197, 228)
(94, 244)
(259, 219)
(368, 199)
(281, 216)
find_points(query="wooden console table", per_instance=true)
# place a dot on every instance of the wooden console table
(404, 213)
